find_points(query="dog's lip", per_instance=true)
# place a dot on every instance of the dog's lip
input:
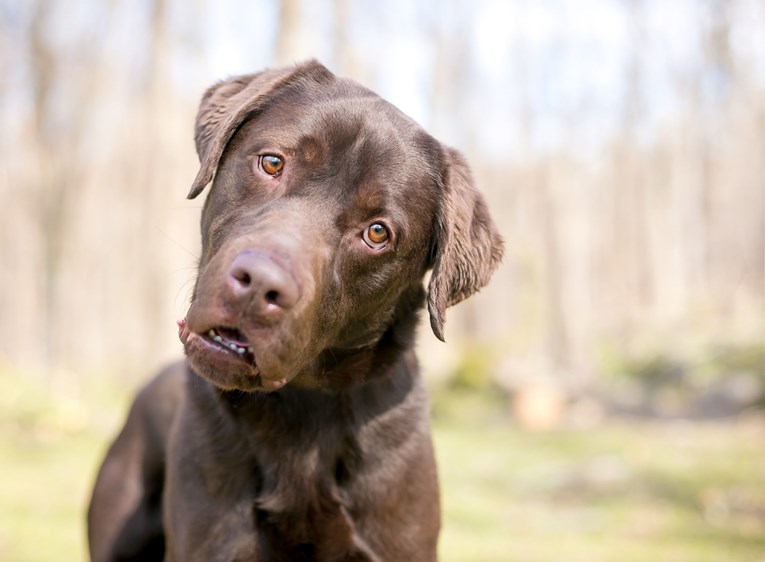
(232, 339)
(226, 338)
(231, 342)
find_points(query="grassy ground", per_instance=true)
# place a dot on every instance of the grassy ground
(620, 492)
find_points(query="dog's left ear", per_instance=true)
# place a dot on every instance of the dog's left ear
(467, 246)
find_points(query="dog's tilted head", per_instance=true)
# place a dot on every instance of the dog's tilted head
(327, 208)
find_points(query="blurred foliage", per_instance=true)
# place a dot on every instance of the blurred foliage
(716, 382)
(473, 370)
(651, 368)
(672, 368)
(656, 369)
(749, 359)
(470, 389)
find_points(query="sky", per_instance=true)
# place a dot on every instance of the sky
(541, 70)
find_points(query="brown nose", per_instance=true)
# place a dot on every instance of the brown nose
(262, 285)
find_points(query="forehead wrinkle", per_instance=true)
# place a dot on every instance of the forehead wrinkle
(343, 123)
(393, 163)
(374, 145)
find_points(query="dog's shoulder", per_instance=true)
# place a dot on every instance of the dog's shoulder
(157, 402)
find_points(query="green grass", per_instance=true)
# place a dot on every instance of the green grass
(620, 492)
(52, 437)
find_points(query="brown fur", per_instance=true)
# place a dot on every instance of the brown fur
(301, 434)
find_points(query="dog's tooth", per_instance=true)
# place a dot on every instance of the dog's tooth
(240, 350)
(250, 349)
(212, 333)
(217, 338)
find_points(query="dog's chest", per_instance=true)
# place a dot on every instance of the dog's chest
(302, 481)
(302, 510)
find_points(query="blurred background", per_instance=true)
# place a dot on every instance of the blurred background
(600, 400)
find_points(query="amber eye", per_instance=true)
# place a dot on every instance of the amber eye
(376, 236)
(271, 164)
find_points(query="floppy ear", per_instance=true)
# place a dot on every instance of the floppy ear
(467, 246)
(225, 106)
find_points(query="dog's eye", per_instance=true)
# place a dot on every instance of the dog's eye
(271, 164)
(376, 236)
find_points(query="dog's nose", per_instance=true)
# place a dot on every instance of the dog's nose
(263, 285)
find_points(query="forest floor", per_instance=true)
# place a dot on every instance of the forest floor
(619, 491)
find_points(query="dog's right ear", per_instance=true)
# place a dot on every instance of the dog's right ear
(467, 248)
(228, 104)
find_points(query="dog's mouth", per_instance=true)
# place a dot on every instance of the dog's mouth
(231, 339)
(232, 353)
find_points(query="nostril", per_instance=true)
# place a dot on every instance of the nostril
(242, 276)
(257, 282)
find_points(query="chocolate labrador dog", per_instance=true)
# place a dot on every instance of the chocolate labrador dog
(297, 428)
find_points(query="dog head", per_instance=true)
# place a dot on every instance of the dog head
(327, 208)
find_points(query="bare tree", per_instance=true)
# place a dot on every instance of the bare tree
(288, 42)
